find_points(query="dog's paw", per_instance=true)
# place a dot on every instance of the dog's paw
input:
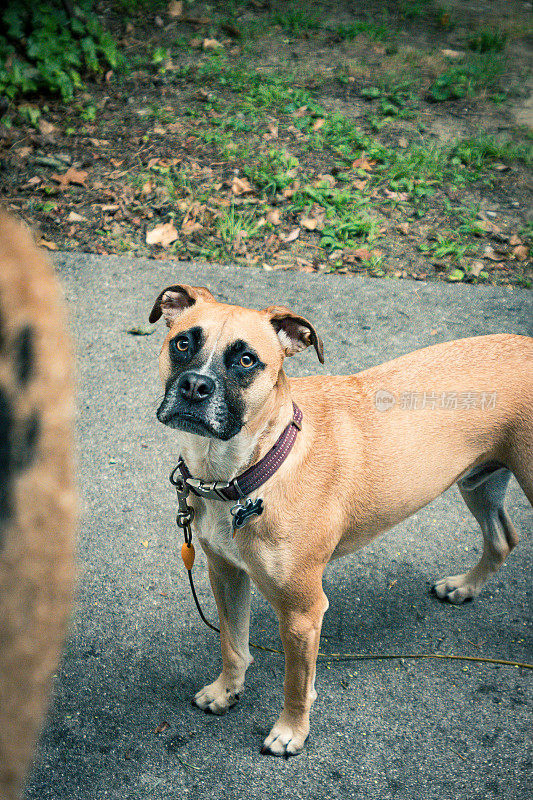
(217, 697)
(287, 738)
(456, 589)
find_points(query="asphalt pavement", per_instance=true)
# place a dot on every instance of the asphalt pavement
(121, 726)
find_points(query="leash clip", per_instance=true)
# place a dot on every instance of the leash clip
(244, 510)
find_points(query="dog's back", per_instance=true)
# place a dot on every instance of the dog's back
(37, 497)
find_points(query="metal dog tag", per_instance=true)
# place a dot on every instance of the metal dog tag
(244, 510)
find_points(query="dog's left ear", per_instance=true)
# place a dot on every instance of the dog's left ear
(295, 333)
(175, 299)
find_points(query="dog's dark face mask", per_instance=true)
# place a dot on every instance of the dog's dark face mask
(205, 392)
(219, 364)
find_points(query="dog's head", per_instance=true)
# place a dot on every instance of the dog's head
(220, 363)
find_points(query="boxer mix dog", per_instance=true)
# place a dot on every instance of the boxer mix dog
(37, 495)
(287, 474)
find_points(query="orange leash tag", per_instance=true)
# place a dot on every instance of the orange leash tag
(187, 554)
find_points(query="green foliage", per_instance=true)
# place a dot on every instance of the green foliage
(296, 21)
(41, 48)
(487, 41)
(464, 80)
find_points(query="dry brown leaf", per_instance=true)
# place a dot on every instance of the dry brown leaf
(402, 142)
(175, 9)
(212, 44)
(403, 227)
(300, 112)
(272, 243)
(309, 222)
(77, 176)
(48, 245)
(318, 123)
(475, 268)
(273, 129)
(363, 163)
(46, 128)
(325, 178)
(159, 130)
(163, 234)
(515, 240)
(290, 190)
(356, 254)
(190, 226)
(521, 252)
(241, 186)
(489, 252)
(292, 236)
(273, 217)
(73, 217)
(359, 185)
(35, 181)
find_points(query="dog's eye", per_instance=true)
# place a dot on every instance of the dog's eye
(181, 344)
(247, 360)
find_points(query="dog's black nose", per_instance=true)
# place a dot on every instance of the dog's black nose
(194, 387)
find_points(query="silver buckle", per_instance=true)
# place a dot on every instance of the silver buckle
(210, 490)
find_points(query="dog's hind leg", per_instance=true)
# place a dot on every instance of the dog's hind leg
(483, 490)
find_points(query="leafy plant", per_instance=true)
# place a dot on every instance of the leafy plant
(44, 48)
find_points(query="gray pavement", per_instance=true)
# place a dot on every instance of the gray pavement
(405, 730)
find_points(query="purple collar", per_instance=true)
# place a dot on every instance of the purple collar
(254, 477)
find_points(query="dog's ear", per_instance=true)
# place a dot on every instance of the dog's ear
(295, 333)
(175, 299)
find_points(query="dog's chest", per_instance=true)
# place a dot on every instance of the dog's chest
(213, 526)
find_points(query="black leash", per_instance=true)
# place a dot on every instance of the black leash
(184, 519)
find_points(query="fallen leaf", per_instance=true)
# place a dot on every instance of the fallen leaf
(325, 178)
(273, 129)
(163, 234)
(46, 128)
(159, 130)
(164, 726)
(300, 112)
(515, 240)
(359, 185)
(402, 142)
(175, 9)
(292, 236)
(489, 252)
(295, 131)
(403, 227)
(72, 175)
(195, 42)
(453, 53)
(48, 245)
(273, 243)
(212, 44)
(357, 254)
(309, 223)
(73, 217)
(241, 186)
(35, 181)
(363, 163)
(521, 252)
(318, 123)
(475, 268)
(273, 216)
(190, 226)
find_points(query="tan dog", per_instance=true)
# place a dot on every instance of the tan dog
(372, 450)
(37, 498)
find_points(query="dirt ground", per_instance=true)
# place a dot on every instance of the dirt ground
(392, 139)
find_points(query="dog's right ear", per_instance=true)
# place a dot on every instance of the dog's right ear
(175, 299)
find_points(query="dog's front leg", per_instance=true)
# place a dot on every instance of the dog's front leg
(231, 588)
(300, 634)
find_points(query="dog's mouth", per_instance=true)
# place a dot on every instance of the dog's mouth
(190, 423)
